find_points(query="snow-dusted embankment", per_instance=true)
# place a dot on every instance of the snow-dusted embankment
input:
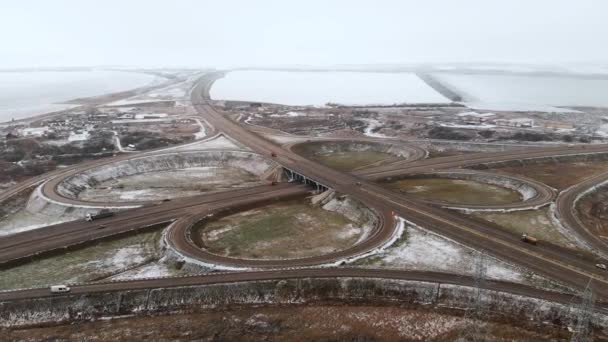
(250, 162)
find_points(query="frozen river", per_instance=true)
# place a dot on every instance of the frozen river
(319, 88)
(518, 92)
(24, 94)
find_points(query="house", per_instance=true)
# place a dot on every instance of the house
(557, 125)
(474, 118)
(34, 131)
(78, 136)
(151, 116)
(517, 122)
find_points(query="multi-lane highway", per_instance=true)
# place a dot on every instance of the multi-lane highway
(19, 247)
(301, 273)
(567, 213)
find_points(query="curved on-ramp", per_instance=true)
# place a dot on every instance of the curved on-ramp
(178, 239)
(541, 194)
(566, 212)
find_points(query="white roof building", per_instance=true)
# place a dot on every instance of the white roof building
(517, 122)
(151, 116)
(34, 131)
(79, 136)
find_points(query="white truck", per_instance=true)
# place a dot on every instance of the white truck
(60, 289)
(102, 214)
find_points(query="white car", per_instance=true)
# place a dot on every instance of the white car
(60, 289)
(602, 266)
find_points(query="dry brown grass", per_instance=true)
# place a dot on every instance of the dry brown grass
(292, 323)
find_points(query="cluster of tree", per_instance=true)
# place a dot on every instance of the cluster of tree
(356, 125)
(440, 132)
(10, 171)
(537, 136)
(29, 149)
(144, 140)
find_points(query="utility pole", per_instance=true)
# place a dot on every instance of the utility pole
(583, 315)
(475, 331)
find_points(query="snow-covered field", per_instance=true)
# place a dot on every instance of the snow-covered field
(319, 88)
(24, 94)
(426, 251)
(522, 93)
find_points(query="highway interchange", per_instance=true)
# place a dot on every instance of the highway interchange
(561, 264)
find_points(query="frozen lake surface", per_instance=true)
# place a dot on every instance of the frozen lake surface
(521, 93)
(24, 94)
(319, 88)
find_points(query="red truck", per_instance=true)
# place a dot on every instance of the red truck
(529, 239)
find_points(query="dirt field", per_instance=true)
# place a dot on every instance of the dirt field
(169, 184)
(557, 175)
(285, 230)
(347, 161)
(534, 222)
(455, 191)
(294, 323)
(593, 211)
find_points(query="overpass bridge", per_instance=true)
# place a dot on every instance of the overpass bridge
(294, 176)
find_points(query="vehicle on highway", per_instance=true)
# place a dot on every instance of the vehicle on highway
(102, 226)
(529, 239)
(273, 183)
(102, 214)
(60, 289)
(602, 266)
(166, 200)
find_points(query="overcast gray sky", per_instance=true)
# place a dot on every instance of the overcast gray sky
(241, 32)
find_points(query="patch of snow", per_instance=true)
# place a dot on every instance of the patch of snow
(424, 250)
(220, 142)
(202, 132)
(285, 139)
(79, 136)
(348, 232)
(15, 228)
(369, 130)
(152, 270)
(475, 114)
(157, 120)
(482, 126)
(377, 251)
(216, 234)
(135, 194)
(288, 114)
(124, 257)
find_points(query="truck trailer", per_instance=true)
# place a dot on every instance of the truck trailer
(529, 239)
(102, 214)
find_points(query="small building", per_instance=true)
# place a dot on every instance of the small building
(126, 116)
(474, 118)
(78, 136)
(557, 125)
(151, 116)
(517, 122)
(34, 131)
